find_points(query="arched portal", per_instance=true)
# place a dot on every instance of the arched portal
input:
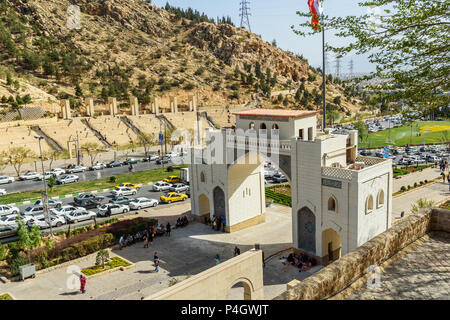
(241, 290)
(203, 205)
(219, 202)
(331, 246)
(306, 230)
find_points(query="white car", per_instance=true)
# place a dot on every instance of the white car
(110, 209)
(178, 187)
(8, 210)
(76, 169)
(51, 203)
(6, 179)
(80, 215)
(30, 176)
(3, 192)
(98, 166)
(141, 203)
(46, 176)
(57, 172)
(34, 211)
(123, 191)
(65, 210)
(11, 220)
(161, 186)
(42, 223)
(68, 178)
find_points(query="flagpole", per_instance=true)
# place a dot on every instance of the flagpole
(324, 122)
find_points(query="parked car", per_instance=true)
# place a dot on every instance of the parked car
(129, 185)
(98, 166)
(3, 192)
(162, 160)
(47, 175)
(80, 215)
(141, 203)
(85, 196)
(31, 175)
(7, 231)
(279, 178)
(7, 210)
(76, 169)
(11, 220)
(64, 210)
(123, 191)
(172, 179)
(121, 200)
(178, 187)
(67, 178)
(150, 158)
(131, 161)
(6, 179)
(109, 209)
(114, 164)
(188, 191)
(90, 203)
(51, 203)
(42, 223)
(161, 186)
(57, 172)
(173, 197)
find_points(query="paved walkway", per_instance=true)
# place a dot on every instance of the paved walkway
(188, 251)
(423, 273)
(409, 179)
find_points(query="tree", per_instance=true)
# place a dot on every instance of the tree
(406, 40)
(146, 140)
(29, 239)
(51, 183)
(50, 155)
(362, 128)
(102, 257)
(16, 156)
(78, 91)
(9, 79)
(92, 149)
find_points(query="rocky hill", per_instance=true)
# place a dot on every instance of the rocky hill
(130, 47)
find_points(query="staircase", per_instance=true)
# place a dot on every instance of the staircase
(204, 115)
(166, 121)
(52, 143)
(127, 121)
(96, 133)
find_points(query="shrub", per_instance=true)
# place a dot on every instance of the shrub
(409, 187)
(421, 182)
(112, 179)
(169, 169)
(415, 184)
(15, 263)
(426, 181)
(403, 188)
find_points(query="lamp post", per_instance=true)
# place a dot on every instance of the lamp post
(45, 198)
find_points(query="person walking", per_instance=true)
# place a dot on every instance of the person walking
(217, 259)
(237, 251)
(121, 242)
(145, 241)
(82, 284)
(157, 266)
(168, 228)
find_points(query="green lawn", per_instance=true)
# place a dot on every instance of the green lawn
(5, 296)
(137, 177)
(431, 132)
(113, 263)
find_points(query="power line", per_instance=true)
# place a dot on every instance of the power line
(350, 66)
(244, 13)
(338, 67)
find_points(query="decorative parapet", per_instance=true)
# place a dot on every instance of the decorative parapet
(343, 174)
(370, 161)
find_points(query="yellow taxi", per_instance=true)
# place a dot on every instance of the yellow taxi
(172, 179)
(172, 197)
(129, 185)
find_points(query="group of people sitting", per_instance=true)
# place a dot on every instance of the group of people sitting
(182, 222)
(217, 223)
(129, 239)
(301, 261)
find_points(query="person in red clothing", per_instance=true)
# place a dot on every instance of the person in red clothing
(82, 284)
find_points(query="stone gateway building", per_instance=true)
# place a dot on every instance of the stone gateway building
(339, 200)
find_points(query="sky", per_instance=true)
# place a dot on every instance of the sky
(273, 20)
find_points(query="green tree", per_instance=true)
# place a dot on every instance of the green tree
(146, 140)
(102, 258)
(408, 42)
(78, 90)
(51, 183)
(362, 128)
(9, 79)
(92, 149)
(29, 239)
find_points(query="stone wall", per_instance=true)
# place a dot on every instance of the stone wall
(341, 273)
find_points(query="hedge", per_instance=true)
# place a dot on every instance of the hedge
(279, 198)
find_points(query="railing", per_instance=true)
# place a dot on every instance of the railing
(241, 142)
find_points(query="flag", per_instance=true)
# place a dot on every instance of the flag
(315, 6)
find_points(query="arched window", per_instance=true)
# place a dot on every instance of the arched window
(332, 204)
(369, 204)
(275, 126)
(251, 126)
(380, 199)
(263, 126)
(202, 177)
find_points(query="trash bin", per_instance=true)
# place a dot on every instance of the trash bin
(28, 270)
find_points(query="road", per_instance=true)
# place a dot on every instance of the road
(23, 186)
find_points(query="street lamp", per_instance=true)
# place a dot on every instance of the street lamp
(45, 198)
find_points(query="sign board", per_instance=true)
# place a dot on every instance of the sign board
(387, 152)
(332, 183)
(161, 138)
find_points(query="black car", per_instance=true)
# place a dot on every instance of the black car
(87, 196)
(90, 204)
(114, 164)
(163, 160)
